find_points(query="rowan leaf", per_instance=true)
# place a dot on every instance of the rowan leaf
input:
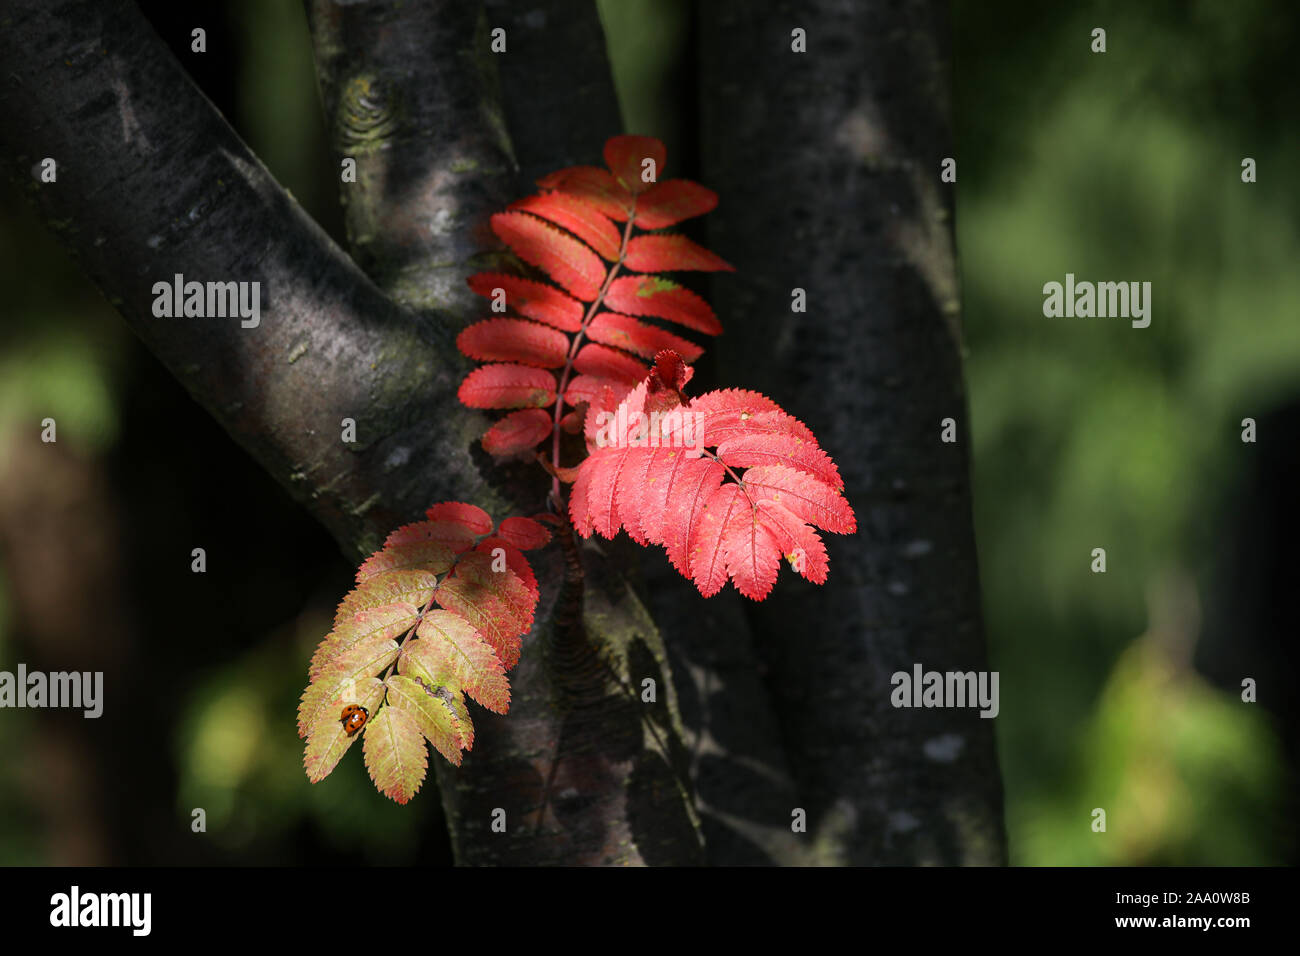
(686, 512)
(732, 513)
(515, 561)
(466, 644)
(518, 432)
(497, 603)
(780, 448)
(728, 483)
(395, 753)
(670, 201)
(571, 423)
(470, 517)
(707, 551)
(589, 389)
(666, 472)
(801, 546)
(603, 403)
(504, 585)
(533, 300)
(329, 740)
(652, 295)
(470, 660)
(507, 386)
(364, 658)
(751, 552)
(458, 707)
(514, 340)
(436, 684)
(428, 555)
(669, 376)
(601, 491)
(581, 218)
(429, 705)
(727, 413)
(524, 533)
(389, 620)
(594, 186)
(639, 338)
(573, 265)
(396, 587)
(626, 155)
(662, 253)
(806, 498)
(607, 363)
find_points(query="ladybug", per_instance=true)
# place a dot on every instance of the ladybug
(353, 718)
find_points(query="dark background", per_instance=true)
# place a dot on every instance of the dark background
(1118, 690)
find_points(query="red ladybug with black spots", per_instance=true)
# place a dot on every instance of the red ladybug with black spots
(353, 718)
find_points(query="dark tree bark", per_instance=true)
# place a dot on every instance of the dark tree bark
(557, 93)
(830, 160)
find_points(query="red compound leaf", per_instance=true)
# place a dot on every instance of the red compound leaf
(524, 533)
(671, 254)
(634, 158)
(532, 300)
(581, 218)
(518, 433)
(730, 513)
(651, 295)
(594, 186)
(639, 338)
(507, 386)
(671, 201)
(575, 267)
(514, 340)
(605, 362)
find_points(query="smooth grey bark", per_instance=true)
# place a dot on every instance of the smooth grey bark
(152, 182)
(831, 162)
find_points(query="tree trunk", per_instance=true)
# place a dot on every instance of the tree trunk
(830, 161)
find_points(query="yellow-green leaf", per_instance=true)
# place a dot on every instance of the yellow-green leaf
(410, 587)
(395, 753)
(433, 556)
(390, 620)
(329, 741)
(416, 668)
(366, 658)
(431, 708)
(449, 643)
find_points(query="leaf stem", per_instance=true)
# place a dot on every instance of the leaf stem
(708, 454)
(409, 631)
(556, 494)
(753, 505)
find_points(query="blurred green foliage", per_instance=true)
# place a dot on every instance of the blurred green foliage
(241, 761)
(1089, 433)
(646, 40)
